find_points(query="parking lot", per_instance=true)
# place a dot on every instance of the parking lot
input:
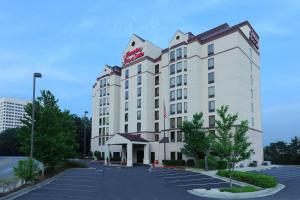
(186, 179)
(283, 174)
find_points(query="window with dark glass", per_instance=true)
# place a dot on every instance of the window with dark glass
(185, 65)
(126, 73)
(126, 95)
(172, 69)
(126, 117)
(172, 109)
(179, 108)
(139, 80)
(156, 80)
(156, 127)
(179, 94)
(156, 92)
(211, 92)
(211, 63)
(185, 52)
(126, 106)
(139, 103)
(185, 93)
(172, 133)
(172, 123)
(179, 122)
(156, 137)
(172, 82)
(211, 121)
(126, 128)
(211, 106)
(179, 136)
(156, 103)
(179, 67)
(185, 79)
(139, 91)
(210, 49)
(156, 69)
(172, 95)
(138, 115)
(185, 107)
(179, 53)
(179, 156)
(173, 154)
(139, 69)
(138, 127)
(172, 56)
(179, 80)
(126, 84)
(211, 77)
(156, 115)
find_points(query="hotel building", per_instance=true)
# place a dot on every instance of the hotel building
(195, 73)
(11, 112)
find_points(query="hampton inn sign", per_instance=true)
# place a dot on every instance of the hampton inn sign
(133, 55)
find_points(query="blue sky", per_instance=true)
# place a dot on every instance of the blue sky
(70, 41)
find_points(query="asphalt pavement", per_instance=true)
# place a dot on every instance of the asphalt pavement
(6, 165)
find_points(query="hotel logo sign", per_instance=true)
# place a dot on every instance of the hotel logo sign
(133, 55)
(254, 39)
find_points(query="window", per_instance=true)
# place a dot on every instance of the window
(139, 69)
(185, 79)
(156, 115)
(211, 106)
(156, 92)
(104, 101)
(156, 69)
(138, 127)
(126, 128)
(139, 103)
(126, 106)
(139, 80)
(211, 121)
(179, 67)
(172, 123)
(172, 82)
(251, 93)
(179, 156)
(172, 109)
(126, 73)
(156, 137)
(210, 49)
(172, 69)
(185, 93)
(156, 103)
(172, 136)
(185, 52)
(156, 80)
(179, 108)
(100, 102)
(210, 63)
(139, 91)
(179, 136)
(185, 107)
(179, 94)
(179, 80)
(100, 92)
(104, 111)
(211, 92)
(179, 53)
(252, 107)
(156, 127)
(173, 154)
(126, 117)
(172, 95)
(126, 95)
(211, 77)
(104, 91)
(185, 65)
(179, 122)
(138, 115)
(172, 56)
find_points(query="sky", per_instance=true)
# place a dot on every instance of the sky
(70, 41)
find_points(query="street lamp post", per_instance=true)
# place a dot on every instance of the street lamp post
(35, 75)
(84, 138)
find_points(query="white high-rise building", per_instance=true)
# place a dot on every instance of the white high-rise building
(195, 73)
(11, 112)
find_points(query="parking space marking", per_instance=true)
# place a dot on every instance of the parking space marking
(66, 189)
(167, 172)
(192, 175)
(201, 184)
(187, 180)
(66, 184)
(40, 195)
(174, 174)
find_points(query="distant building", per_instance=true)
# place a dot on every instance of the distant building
(11, 112)
(195, 73)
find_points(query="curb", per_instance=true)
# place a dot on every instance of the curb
(31, 188)
(229, 195)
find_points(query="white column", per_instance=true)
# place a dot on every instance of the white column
(146, 154)
(129, 155)
(106, 154)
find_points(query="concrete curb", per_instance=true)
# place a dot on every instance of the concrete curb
(228, 195)
(31, 188)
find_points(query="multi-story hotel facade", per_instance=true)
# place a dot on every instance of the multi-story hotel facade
(195, 73)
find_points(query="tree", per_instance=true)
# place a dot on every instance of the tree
(231, 146)
(79, 139)
(10, 143)
(54, 139)
(27, 170)
(197, 140)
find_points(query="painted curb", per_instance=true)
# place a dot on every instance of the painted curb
(229, 195)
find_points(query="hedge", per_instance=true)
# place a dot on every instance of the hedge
(174, 162)
(260, 180)
(190, 163)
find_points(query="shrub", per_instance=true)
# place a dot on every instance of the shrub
(253, 164)
(27, 170)
(97, 154)
(74, 164)
(260, 180)
(174, 162)
(221, 164)
(90, 155)
(212, 163)
(239, 189)
(190, 163)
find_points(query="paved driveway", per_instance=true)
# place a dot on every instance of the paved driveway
(7, 164)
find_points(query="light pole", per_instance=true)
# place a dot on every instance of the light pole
(84, 138)
(35, 75)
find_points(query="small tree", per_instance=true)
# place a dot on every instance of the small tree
(27, 170)
(97, 154)
(197, 140)
(232, 147)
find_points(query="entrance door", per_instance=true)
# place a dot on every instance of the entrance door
(140, 157)
(152, 157)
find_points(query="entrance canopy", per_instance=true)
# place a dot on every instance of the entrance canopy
(127, 141)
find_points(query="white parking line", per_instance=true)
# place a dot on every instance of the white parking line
(172, 174)
(195, 184)
(183, 176)
(167, 172)
(64, 189)
(59, 184)
(187, 180)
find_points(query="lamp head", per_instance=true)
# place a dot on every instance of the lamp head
(37, 75)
